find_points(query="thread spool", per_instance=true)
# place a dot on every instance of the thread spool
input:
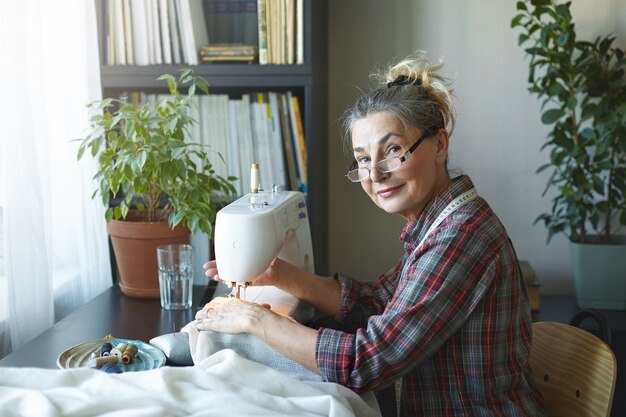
(105, 350)
(111, 368)
(129, 353)
(104, 360)
(118, 350)
(254, 178)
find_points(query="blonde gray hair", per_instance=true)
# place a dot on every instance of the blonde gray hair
(411, 90)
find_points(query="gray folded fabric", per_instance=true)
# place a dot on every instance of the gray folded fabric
(175, 346)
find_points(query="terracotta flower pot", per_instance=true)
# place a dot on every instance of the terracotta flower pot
(134, 244)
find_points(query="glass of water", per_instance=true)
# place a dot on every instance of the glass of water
(175, 275)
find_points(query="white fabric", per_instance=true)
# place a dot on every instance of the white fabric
(224, 384)
(54, 247)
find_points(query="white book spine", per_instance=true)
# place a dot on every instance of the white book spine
(233, 140)
(118, 31)
(300, 32)
(150, 31)
(128, 33)
(156, 27)
(165, 31)
(140, 32)
(174, 34)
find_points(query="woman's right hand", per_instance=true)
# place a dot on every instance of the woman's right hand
(269, 277)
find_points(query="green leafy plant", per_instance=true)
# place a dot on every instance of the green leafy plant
(147, 163)
(583, 89)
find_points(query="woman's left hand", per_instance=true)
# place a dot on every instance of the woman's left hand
(231, 315)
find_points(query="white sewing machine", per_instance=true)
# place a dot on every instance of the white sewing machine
(255, 229)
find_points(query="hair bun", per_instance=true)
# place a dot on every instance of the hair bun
(404, 80)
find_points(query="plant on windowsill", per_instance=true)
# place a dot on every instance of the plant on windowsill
(583, 88)
(164, 183)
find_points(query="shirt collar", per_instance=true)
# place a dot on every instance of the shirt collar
(414, 230)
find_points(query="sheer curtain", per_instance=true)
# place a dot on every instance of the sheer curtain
(54, 254)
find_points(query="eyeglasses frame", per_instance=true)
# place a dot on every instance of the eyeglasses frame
(426, 134)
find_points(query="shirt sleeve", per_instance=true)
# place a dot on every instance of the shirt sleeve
(360, 300)
(440, 284)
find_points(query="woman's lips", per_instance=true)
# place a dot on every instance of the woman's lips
(388, 192)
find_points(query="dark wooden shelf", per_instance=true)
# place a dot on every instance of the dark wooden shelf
(218, 75)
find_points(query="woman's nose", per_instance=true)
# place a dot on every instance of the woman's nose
(376, 175)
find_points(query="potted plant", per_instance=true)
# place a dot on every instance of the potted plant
(583, 88)
(163, 185)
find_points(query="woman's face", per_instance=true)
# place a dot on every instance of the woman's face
(409, 189)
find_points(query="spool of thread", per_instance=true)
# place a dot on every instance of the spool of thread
(118, 350)
(105, 350)
(111, 368)
(104, 360)
(254, 178)
(129, 353)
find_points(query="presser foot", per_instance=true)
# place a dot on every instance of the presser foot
(238, 288)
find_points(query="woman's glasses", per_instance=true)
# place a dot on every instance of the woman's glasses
(386, 165)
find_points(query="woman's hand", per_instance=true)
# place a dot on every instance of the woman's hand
(269, 277)
(230, 315)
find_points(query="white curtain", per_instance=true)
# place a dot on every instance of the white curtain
(54, 254)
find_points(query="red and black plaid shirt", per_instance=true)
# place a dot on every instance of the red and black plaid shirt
(451, 318)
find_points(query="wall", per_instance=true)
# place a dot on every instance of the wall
(498, 134)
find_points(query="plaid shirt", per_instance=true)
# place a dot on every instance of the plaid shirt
(451, 318)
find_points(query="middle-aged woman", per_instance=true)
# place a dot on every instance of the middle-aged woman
(446, 331)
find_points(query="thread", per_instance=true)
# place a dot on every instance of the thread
(254, 178)
(118, 350)
(129, 353)
(105, 350)
(100, 362)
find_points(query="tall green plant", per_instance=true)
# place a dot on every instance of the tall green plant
(145, 160)
(583, 89)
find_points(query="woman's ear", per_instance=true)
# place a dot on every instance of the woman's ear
(442, 142)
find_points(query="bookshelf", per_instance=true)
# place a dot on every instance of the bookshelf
(307, 81)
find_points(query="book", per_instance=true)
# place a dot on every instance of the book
(299, 139)
(249, 26)
(140, 32)
(128, 33)
(233, 142)
(262, 31)
(156, 32)
(109, 54)
(118, 32)
(287, 142)
(276, 142)
(299, 32)
(228, 52)
(174, 32)
(195, 28)
(164, 24)
(289, 47)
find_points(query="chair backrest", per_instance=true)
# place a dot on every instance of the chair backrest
(574, 369)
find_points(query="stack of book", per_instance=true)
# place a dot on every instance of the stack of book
(228, 53)
(264, 128)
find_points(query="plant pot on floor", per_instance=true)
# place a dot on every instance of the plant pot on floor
(134, 244)
(600, 274)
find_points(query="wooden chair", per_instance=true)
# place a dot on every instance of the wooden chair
(574, 369)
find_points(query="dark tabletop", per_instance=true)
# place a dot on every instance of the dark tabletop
(109, 313)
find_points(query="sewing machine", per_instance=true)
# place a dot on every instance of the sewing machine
(254, 230)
